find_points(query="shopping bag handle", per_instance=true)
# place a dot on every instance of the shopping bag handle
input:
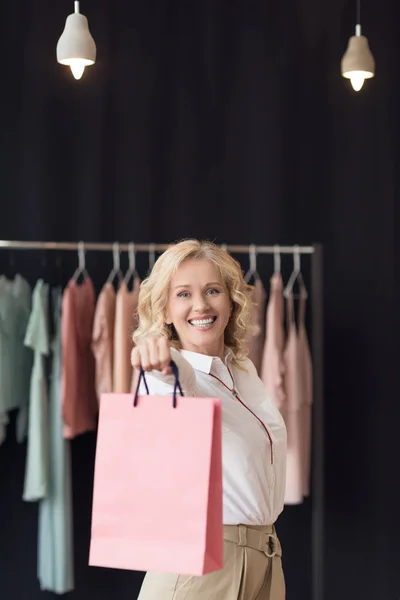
(177, 385)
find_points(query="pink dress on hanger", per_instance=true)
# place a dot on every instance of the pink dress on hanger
(272, 368)
(125, 325)
(307, 377)
(78, 394)
(103, 339)
(297, 407)
(255, 343)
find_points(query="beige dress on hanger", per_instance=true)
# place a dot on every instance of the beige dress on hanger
(125, 325)
(103, 339)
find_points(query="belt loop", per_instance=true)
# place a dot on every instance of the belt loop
(272, 545)
(242, 535)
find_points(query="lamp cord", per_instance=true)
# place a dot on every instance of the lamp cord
(358, 12)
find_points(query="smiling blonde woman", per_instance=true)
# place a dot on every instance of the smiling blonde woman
(195, 308)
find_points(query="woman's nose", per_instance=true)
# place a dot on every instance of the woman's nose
(200, 303)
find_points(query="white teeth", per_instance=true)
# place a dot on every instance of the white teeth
(202, 322)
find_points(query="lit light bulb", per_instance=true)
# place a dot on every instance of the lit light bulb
(76, 47)
(357, 79)
(358, 64)
(77, 66)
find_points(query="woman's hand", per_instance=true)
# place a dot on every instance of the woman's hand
(152, 354)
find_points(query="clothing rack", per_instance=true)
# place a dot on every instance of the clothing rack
(148, 247)
(317, 341)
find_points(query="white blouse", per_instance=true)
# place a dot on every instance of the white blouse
(253, 433)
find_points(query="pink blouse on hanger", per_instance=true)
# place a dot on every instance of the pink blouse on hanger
(297, 407)
(79, 402)
(272, 368)
(256, 341)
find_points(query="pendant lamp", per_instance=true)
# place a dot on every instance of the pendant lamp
(76, 47)
(358, 63)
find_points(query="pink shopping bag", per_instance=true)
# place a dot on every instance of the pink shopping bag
(157, 498)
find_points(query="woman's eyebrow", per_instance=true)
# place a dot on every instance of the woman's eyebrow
(187, 285)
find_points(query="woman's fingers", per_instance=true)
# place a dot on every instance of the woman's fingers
(145, 357)
(135, 358)
(165, 356)
(152, 354)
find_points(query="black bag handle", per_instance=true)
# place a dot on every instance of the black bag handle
(177, 385)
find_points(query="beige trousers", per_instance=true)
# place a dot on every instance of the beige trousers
(252, 571)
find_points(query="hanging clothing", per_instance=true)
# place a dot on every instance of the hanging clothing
(306, 370)
(16, 358)
(125, 324)
(272, 368)
(3, 415)
(256, 341)
(296, 410)
(79, 402)
(3, 426)
(37, 338)
(55, 545)
(103, 339)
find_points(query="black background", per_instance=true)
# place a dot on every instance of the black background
(227, 120)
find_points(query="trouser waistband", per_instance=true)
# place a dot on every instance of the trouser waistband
(262, 538)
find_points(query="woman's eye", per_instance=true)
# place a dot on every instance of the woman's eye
(211, 291)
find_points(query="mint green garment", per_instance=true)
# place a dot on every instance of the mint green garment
(37, 338)
(55, 546)
(15, 358)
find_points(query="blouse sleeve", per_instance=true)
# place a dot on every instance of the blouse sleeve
(163, 385)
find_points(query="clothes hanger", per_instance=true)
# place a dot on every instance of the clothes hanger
(277, 260)
(152, 256)
(4, 280)
(296, 276)
(81, 269)
(43, 265)
(252, 272)
(131, 272)
(58, 271)
(13, 273)
(116, 270)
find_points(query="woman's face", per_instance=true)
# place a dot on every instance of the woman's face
(199, 307)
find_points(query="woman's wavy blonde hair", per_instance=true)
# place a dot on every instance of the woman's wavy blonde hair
(154, 290)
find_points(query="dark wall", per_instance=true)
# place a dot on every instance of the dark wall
(225, 120)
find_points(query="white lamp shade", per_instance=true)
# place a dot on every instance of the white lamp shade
(358, 61)
(76, 43)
